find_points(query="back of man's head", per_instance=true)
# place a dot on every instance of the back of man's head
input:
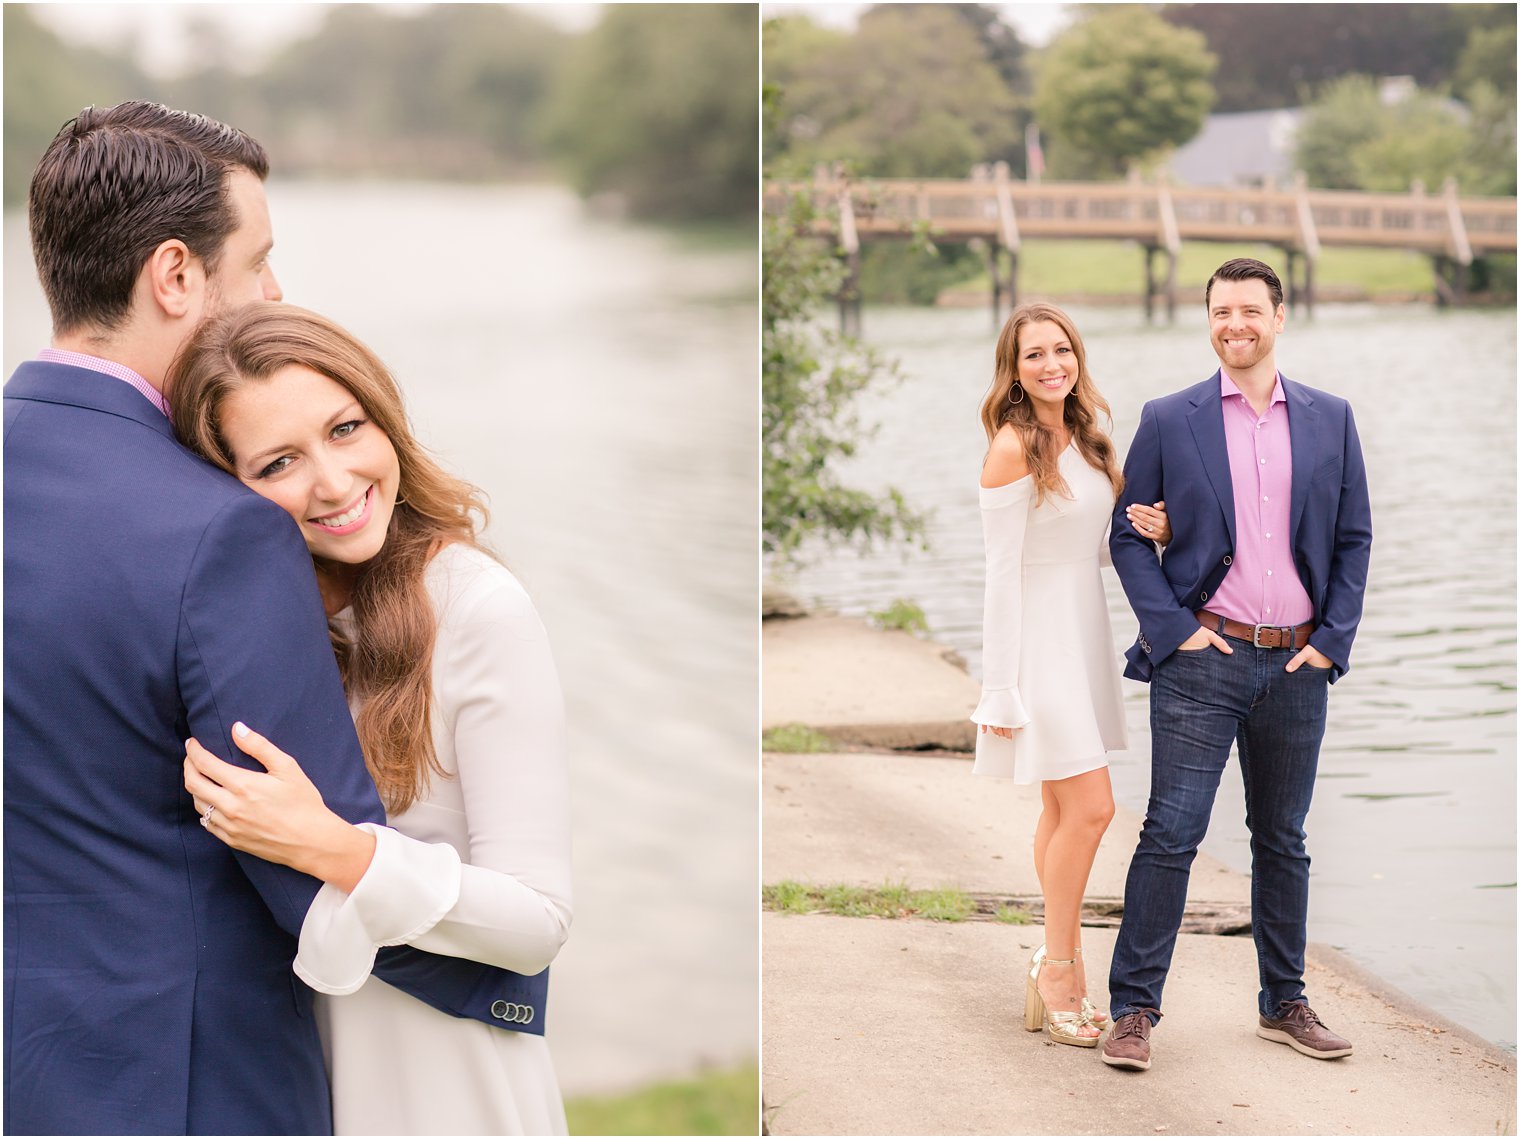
(113, 185)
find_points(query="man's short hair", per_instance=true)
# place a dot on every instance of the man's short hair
(1246, 269)
(117, 182)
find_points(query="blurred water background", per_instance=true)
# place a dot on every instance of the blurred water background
(1412, 833)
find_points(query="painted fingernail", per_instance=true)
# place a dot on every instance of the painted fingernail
(240, 729)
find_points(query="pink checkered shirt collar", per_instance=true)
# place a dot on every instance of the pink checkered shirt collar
(109, 368)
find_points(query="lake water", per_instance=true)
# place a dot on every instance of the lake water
(1412, 833)
(598, 380)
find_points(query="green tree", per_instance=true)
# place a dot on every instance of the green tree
(1350, 139)
(1488, 53)
(810, 380)
(912, 93)
(332, 100)
(1120, 87)
(1420, 138)
(48, 82)
(1347, 115)
(1270, 54)
(660, 102)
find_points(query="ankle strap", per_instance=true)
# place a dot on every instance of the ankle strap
(1058, 961)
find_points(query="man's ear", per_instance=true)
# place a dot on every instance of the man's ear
(174, 278)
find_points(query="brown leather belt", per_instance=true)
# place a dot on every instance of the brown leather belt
(1262, 636)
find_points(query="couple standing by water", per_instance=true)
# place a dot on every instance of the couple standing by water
(1240, 528)
(220, 537)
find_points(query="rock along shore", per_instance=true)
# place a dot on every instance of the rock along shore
(914, 1027)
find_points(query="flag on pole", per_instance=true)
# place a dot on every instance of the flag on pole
(1034, 157)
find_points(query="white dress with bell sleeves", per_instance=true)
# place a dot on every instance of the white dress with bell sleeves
(1049, 666)
(478, 867)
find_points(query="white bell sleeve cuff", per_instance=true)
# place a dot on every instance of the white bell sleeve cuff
(408, 887)
(1005, 518)
(1000, 708)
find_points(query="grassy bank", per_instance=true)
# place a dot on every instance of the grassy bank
(725, 1102)
(1102, 268)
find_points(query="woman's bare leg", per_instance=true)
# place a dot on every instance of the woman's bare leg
(1050, 818)
(1086, 806)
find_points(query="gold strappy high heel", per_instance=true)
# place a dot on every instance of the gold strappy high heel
(1096, 1016)
(1062, 1027)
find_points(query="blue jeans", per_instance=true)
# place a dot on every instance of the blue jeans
(1201, 702)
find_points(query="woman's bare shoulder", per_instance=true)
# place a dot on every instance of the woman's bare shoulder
(1005, 462)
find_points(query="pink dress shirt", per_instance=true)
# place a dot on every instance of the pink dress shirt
(1262, 586)
(107, 368)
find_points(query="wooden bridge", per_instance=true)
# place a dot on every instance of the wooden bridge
(1003, 213)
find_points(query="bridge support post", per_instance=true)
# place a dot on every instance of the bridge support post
(1005, 282)
(1153, 286)
(849, 296)
(1299, 281)
(1450, 280)
(995, 272)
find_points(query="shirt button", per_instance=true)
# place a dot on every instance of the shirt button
(1264, 498)
(1263, 462)
(1269, 535)
(1269, 573)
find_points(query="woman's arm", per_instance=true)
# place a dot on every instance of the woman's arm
(1006, 495)
(509, 904)
(499, 696)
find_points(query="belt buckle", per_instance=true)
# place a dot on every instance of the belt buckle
(1256, 635)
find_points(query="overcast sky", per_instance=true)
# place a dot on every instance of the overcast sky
(263, 28)
(1036, 23)
(260, 28)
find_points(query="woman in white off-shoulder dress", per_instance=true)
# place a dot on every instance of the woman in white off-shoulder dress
(1051, 708)
(457, 705)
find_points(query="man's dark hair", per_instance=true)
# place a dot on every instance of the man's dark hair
(1246, 269)
(117, 182)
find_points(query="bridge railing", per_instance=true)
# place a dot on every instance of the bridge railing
(1295, 217)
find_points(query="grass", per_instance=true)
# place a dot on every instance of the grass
(796, 738)
(1071, 268)
(723, 1102)
(889, 900)
(1012, 915)
(901, 614)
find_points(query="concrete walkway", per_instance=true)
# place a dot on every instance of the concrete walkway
(901, 1027)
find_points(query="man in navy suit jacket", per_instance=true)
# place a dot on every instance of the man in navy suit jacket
(1244, 623)
(150, 598)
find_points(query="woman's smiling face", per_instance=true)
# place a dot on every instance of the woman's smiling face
(1048, 365)
(303, 441)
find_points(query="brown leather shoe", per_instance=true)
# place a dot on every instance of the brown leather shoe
(1128, 1044)
(1300, 1029)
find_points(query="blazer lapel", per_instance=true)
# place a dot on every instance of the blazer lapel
(1207, 423)
(1303, 431)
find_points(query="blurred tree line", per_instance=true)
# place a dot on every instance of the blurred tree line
(656, 103)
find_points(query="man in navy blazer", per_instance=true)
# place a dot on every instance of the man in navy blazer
(150, 598)
(1245, 621)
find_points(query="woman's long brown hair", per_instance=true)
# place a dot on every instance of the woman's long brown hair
(388, 663)
(1083, 403)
